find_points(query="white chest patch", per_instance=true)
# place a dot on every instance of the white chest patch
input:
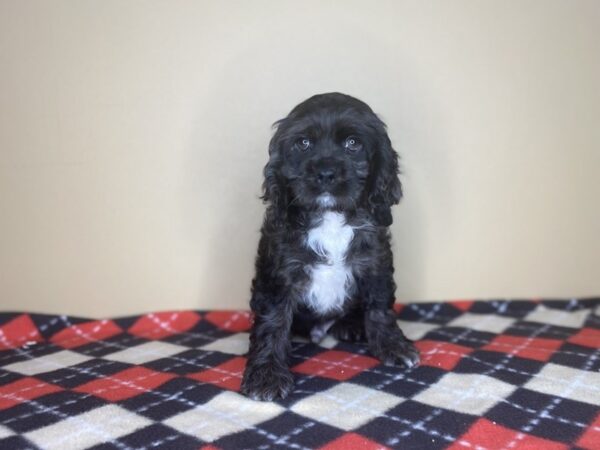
(330, 280)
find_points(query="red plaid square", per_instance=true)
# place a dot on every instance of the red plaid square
(539, 349)
(590, 439)
(486, 434)
(227, 375)
(353, 441)
(236, 321)
(125, 384)
(162, 324)
(444, 355)
(24, 389)
(84, 333)
(398, 307)
(588, 337)
(17, 332)
(463, 305)
(336, 365)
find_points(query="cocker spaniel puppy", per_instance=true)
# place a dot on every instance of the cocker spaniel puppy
(324, 261)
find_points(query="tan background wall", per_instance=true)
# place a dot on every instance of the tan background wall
(133, 135)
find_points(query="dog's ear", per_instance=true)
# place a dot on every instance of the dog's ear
(383, 185)
(274, 190)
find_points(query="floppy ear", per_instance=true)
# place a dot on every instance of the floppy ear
(383, 185)
(274, 190)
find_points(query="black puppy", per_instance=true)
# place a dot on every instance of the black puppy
(324, 261)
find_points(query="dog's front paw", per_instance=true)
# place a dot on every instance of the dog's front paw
(396, 352)
(267, 382)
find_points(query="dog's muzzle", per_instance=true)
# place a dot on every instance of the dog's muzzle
(327, 173)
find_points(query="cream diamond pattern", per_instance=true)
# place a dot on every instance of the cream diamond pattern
(90, 428)
(149, 351)
(227, 413)
(48, 363)
(236, 344)
(466, 393)
(346, 405)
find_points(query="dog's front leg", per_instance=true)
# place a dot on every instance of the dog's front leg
(267, 375)
(385, 339)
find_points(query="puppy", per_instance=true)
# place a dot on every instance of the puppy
(324, 261)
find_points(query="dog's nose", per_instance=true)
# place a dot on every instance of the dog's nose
(326, 176)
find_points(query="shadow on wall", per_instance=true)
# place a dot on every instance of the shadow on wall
(223, 211)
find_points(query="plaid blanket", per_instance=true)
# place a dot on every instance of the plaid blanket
(497, 374)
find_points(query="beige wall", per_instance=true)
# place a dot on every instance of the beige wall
(133, 135)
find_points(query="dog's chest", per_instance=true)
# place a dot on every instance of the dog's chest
(331, 278)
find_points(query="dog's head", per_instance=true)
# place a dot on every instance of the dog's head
(332, 152)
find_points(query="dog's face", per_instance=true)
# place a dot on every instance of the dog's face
(332, 152)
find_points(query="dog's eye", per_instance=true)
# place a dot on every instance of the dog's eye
(303, 144)
(352, 144)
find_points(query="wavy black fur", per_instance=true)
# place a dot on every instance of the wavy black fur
(363, 181)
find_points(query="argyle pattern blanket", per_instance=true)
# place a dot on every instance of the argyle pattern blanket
(495, 374)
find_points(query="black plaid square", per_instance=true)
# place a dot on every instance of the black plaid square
(151, 436)
(171, 398)
(546, 416)
(415, 425)
(576, 356)
(288, 430)
(90, 370)
(505, 367)
(47, 410)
